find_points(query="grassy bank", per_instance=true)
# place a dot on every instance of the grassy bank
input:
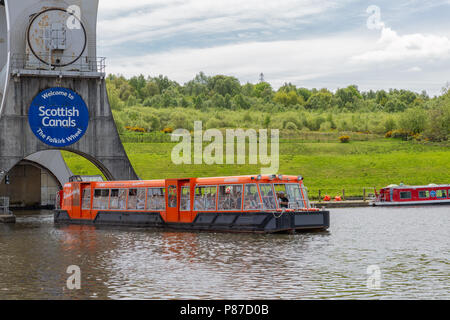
(330, 166)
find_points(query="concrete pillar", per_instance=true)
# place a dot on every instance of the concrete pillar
(70, 64)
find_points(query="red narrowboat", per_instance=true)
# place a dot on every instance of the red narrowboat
(255, 204)
(400, 195)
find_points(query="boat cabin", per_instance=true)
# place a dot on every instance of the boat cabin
(402, 194)
(180, 200)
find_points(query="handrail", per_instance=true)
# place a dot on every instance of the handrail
(83, 64)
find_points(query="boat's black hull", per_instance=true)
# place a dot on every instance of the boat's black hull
(258, 222)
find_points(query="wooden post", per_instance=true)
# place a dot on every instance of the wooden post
(364, 194)
(320, 197)
(343, 194)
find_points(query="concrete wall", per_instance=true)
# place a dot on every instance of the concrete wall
(25, 187)
(49, 188)
(101, 144)
(30, 186)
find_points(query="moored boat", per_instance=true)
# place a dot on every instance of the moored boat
(401, 195)
(256, 204)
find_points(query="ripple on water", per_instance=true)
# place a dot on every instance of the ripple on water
(409, 245)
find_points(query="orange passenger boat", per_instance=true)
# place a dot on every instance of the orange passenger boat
(255, 204)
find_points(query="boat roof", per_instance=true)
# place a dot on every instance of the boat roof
(212, 180)
(395, 186)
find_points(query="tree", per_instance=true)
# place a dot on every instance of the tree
(305, 93)
(348, 97)
(389, 124)
(151, 89)
(288, 87)
(413, 120)
(394, 105)
(381, 97)
(224, 85)
(248, 89)
(438, 128)
(287, 99)
(263, 90)
(321, 100)
(241, 102)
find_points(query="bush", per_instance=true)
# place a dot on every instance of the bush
(389, 124)
(344, 139)
(399, 134)
(135, 129)
(291, 126)
(325, 126)
(214, 123)
(413, 120)
(167, 130)
(439, 126)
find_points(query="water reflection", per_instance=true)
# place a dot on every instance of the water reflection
(410, 245)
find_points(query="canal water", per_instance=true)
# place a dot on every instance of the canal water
(368, 253)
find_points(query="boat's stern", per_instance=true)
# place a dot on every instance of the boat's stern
(306, 220)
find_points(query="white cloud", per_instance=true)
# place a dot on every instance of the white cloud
(280, 61)
(415, 69)
(144, 21)
(392, 47)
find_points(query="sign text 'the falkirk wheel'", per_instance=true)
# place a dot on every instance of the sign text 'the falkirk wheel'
(58, 117)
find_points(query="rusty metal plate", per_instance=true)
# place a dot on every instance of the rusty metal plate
(56, 37)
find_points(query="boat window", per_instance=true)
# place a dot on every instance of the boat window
(405, 195)
(101, 197)
(251, 198)
(132, 199)
(156, 199)
(230, 197)
(442, 194)
(118, 199)
(140, 199)
(304, 190)
(281, 195)
(185, 204)
(86, 202)
(424, 194)
(205, 198)
(295, 196)
(267, 196)
(114, 199)
(172, 196)
(136, 199)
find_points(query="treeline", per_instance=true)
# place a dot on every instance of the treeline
(156, 103)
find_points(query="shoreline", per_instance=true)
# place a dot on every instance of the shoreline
(341, 204)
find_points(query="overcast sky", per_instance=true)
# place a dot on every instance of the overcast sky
(310, 43)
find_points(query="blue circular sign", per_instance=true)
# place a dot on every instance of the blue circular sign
(433, 194)
(58, 117)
